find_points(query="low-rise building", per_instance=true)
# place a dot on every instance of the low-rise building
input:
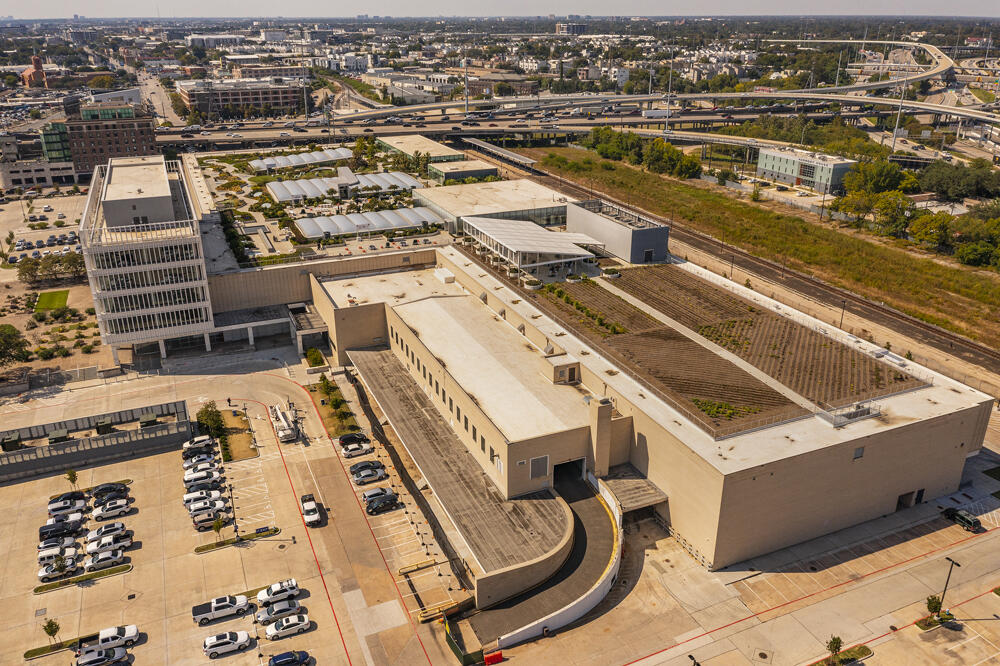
(460, 170)
(794, 166)
(411, 144)
(270, 71)
(214, 95)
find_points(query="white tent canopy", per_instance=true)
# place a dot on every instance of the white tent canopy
(371, 222)
(311, 188)
(302, 159)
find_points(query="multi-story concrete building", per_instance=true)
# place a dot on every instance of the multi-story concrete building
(571, 28)
(100, 132)
(212, 96)
(270, 71)
(823, 173)
(214, 40)
(143, 252)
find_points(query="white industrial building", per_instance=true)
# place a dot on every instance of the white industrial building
(346, 183)
(314, 158)
(379, 221)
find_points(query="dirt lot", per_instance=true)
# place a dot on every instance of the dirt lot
(827, 373)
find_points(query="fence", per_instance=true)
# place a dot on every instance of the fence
(49, 377)
(99, 449)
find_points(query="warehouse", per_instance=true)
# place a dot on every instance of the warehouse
(366, 223)
(506, 199)
(460, 170)
(411, 144)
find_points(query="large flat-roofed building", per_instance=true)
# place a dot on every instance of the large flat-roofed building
(510, 199)
(213, 96)
(794, 166)
(143, 252)
(742, 417)
(269, 71)
(627, 235)
(99, 131)
(411, 144)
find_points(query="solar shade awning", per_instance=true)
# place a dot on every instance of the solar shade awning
(301, 159)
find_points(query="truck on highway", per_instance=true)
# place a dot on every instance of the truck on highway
(220, 607)
(657, 113)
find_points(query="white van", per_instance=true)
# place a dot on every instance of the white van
(49, 556)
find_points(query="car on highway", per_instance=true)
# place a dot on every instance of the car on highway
(109, 558)
(367, 476)
(113, 509)
(113, 542)
(283, 589)
(288, 626)
(276, 611)
(368, 129)
(231, 641)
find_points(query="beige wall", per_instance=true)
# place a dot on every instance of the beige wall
(353, 327)
(280, 285)
(497, 586)
(558, 446)
(802, 497)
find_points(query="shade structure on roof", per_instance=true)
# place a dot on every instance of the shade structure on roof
(526, 244)
(311, 188)
(301, 159)
(370, 222)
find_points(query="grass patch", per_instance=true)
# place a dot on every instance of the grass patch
(50, 300)
(94, 575)
(957, 298)
(124, 482)
(252, 594)
(239, 438)
(205, 548)
(930, 621)
(337, 418)
(315, 357)
(993, 473)
(848, 656)
(984, 96)
(262, 180)
(49, 649)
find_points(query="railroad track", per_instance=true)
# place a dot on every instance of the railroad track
(814, 288)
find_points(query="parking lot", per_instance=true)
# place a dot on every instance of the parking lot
(15, 216)
(356, 602)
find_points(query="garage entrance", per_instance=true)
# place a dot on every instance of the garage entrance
(570, 470)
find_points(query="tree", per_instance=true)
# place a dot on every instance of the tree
(71, 477)
(979, 253)
(59, 565)
(873, 177)
(892, 211)
(13, 346)
(103, 81)
(217, 526)
(859, 203)
(932, 229)
(210, 420)
(834, 646)
(73, 265)
(51, 628)
(27, 270)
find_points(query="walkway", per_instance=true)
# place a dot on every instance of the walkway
(593, 540)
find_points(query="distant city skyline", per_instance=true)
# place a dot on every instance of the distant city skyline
(258, 9)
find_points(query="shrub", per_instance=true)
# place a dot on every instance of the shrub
(314, 357)
(61, 351)
(87, 349)
(40, 316)
(91, 311)
(45, 353)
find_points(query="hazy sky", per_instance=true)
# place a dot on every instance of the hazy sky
(292, 8)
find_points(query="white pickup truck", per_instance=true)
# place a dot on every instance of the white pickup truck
(112, 637)
(310, 510)
(220, 607)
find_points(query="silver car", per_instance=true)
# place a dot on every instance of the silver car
(278, 610)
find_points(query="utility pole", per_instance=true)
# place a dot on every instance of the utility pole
(899, 113)
(837, 83)
(670, 80)
(466, 63)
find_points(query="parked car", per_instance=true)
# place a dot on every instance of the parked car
(102, 657)
(205, 521)
(114, 542)
(72, 495)
(287, 626)
(200, 459)
(365, 464)
(107, 639)
(64, 507)
(276, 611)
(963, 518)
(206, 506)
(201, 477)
(200, 468)
(284, 589)
(354, 437)
(381, 505)
(289, 658)
(310, 510)
(367, 476)
(62, 529)
(209, 485)
(56, 542)
(375, 493)
(51, 555)
(107, 488)
(108, 558)
(188, 454)
(65, 518)
(220, 607)
(110, 497)
(231, 641)
(201, 440)
(113, 509)
(49, 571)
(200, 496)
(106, 530)
(356, 449)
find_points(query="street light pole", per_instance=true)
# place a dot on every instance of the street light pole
(946, 581)
(232, 504)
(843, 309)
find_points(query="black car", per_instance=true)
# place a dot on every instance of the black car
(187, 135)
(187, 454)
(963, 518)
(289, 658)
(354, 437)
(204, 485)
(68, 528)
(101, 500)
(107, 489)
(72, 495)
(299, 129)
(382, 504)
(366, 464)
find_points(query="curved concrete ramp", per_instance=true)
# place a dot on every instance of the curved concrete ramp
(593, 545)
